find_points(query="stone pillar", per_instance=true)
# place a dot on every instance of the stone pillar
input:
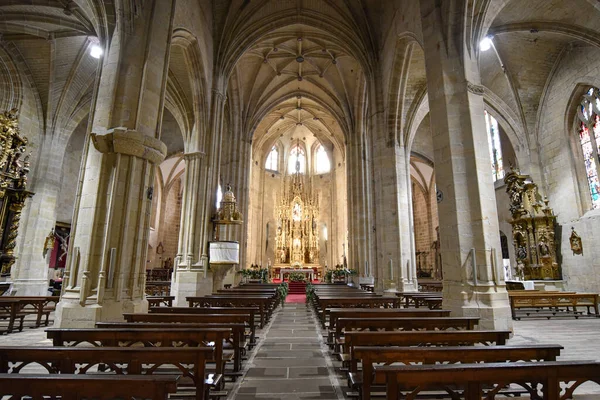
(359, 250)
(190, 277)
(470, 243)
(30, 274)
(394, 246)
(105, 273)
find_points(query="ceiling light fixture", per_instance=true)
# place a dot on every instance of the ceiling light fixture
(486, 43)
(95, 50)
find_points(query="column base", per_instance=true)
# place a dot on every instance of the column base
(489, 303)
(30, 287)
(70, 314)
(190, 283)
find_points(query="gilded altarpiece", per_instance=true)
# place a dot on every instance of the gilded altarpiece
(14, 167)
(534, 226)
(297, 237)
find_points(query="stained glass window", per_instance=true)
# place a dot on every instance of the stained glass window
(589, 138)
(322, 163)
(272, 160)
(297, 161)
(493, 133)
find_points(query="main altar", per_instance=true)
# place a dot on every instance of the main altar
(297, 236)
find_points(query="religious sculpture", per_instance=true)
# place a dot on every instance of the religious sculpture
(533, 223)
(576, 244)
(14, 167)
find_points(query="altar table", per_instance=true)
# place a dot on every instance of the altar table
(307, 271)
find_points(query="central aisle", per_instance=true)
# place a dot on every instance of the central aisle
(291, 361)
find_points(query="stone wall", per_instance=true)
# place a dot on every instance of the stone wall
(70, 174)
(562, 165)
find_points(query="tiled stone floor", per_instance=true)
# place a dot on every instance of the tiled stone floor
(292, 362)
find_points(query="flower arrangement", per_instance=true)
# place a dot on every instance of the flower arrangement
(255, 272)
(297, 277)
(338, 274)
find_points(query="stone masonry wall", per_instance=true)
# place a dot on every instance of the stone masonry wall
(560, 157)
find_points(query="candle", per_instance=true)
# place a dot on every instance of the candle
(366, 268)
(391, 270)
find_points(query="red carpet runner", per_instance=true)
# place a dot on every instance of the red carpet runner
(295, 298)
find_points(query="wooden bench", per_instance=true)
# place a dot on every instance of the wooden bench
(475, 379)
(10, 309)
(433, 303)
(190, 362)
(335, 313)
(370, 356)
(418, 338)
(75, 387)
(160, 301)
(129, 337)
(39, 306)
(262, 303)
(180, 321)
(253, 312)
(416, 299)
(554, 301)
(345, 325)
(351, 302)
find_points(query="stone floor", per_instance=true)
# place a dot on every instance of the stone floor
(292, 361)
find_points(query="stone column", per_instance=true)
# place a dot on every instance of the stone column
(359, 250)
(391, 191)
(30, 274)
(190, 275)
(105, 274)
(470, 243)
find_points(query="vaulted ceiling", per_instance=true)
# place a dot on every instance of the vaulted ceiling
(297, 76)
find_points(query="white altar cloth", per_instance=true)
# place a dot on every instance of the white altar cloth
(310, 272)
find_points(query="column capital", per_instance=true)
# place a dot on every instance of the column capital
(194, 155)
(129, 142)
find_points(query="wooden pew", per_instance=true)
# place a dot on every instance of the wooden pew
(251, 311)
(272, 303)
(237, 323)
(554, 301)
(335, 313)
(369, 356)
(416, 298)
(38, 306)
(354, 302)
(10, 309)
(160, 301)
(75, 387)
(475, 379)
(191, 362)
(345, 325)
(418, 338)
(262, 303)
(129, 337)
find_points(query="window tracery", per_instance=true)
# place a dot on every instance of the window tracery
(322, 163)
(297, 161)
(272, 163)
(493, 134)
(589, 139)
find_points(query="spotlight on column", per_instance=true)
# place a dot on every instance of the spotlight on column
(485, 44)
(96, 51)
